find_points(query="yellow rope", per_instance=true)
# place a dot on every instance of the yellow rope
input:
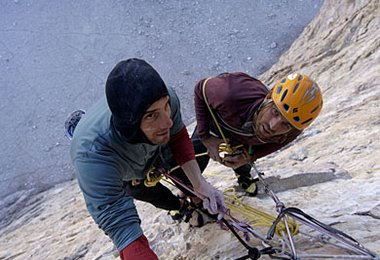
(225, 147)
(256, 217)
(212, 114)
(152, 180)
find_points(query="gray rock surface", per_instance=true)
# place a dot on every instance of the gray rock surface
(331, 172)
(55, 57)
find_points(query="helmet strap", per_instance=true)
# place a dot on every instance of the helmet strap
(266, 102)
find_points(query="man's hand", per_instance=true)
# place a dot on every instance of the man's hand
(212, 145)
(235, 161)
(213, 199)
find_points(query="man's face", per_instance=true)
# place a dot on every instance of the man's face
(269, 123)
(156, 122)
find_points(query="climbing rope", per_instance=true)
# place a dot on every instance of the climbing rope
(256, 217)
(154, 176)
(253, 216)
(223, 147)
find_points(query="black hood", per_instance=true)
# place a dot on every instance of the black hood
(131, 88)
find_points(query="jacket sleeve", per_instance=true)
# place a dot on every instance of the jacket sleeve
(107, 201)
(180, 143)
(182, 147)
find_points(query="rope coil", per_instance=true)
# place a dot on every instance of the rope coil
(256, 217)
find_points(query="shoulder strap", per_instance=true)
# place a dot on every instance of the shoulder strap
(209, 108)
(227, 147)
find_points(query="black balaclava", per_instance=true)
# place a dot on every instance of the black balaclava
(131, 88)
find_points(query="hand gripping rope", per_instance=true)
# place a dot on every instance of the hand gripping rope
(284, 226)
(253, 252)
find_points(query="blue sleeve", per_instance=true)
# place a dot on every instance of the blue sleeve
(108, 203)
(175, 112)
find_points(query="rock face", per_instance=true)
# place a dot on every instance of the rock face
(340, 50)
(59, 59)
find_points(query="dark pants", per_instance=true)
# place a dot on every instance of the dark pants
(159, 195)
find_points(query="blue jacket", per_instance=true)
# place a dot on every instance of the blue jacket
(103, 159)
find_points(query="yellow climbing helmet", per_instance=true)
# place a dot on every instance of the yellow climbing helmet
(298, 98)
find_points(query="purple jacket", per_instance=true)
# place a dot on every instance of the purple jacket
(234, 98)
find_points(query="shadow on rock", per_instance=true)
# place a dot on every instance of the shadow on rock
(277, 184)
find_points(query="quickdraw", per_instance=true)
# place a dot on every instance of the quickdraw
(153, 177)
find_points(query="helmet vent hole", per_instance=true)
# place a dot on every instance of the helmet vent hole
(307, 121)
(284, 95)
(296, 118)
(312, 111)
(279, 89)
(296, 87)
(300, 78)
(286, 107)
(283, 80)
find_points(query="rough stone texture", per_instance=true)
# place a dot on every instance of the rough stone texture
(341, 52)
(339, 49)
(55, 58)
